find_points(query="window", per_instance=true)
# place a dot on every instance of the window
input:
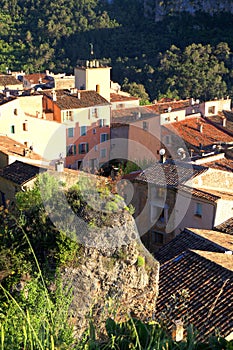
(12, 129)
(159, 215)
(15, 111)
(211, 110)
(103, 153)
(83, 148)
(145, 126)
(25, 126)
(103, 137)
(198, 210)
(102, 122)
(71, 150)
(70, 132)
(168, 140)
(94, 131)
(83, 130)
(67, 115)
(157, 193)
(94, 113)
(157, 237)
(96, 148)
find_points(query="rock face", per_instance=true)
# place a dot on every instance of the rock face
(116, 277)
(160, 9)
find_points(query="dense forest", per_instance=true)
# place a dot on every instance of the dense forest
(181, 56)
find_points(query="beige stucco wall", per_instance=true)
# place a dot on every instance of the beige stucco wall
(31, 104)
(89, 78)
(189, 219)
(173, 116)
(10, 189)
(214, 179)
(219, 105)
(224, 211)
(48, 138)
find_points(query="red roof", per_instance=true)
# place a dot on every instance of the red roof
(121, 98)
(188, 131)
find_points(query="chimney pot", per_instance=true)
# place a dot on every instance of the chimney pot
(178, 330)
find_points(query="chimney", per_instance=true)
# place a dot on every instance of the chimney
(162, 155)
(26, 152)
(200, 127)
(98, 89)
(7, 94)
(54, 95)
(178, 330)
(79, 95)
(224, 121)
(59, 166)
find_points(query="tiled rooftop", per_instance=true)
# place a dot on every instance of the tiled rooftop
(199, 193)
(206, 240)
(188, 131)
(68, 100)
(226, 226)
(217, 119)
(206, 278)
(4, 99)
(170, 174)
(224, 164)
(130, 115)
(7, 79)
(121, 98)
(35, 78)
(163, 105)
(19, 172)
(12, 147)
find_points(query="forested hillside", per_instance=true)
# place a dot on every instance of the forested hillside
(180, 56)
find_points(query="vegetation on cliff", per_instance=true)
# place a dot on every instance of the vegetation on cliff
(41, 35)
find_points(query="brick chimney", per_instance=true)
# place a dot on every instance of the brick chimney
(178, 330)
(200, 127)
(224, 121)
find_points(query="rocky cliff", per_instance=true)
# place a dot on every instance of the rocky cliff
(116, 276)
(159, 9)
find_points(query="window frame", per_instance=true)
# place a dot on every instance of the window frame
(69, 134)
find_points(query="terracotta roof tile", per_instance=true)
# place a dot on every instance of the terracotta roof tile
(202, 283)
(121, 98)
(226, 226)
(35, 78)
(188, 131)
(163, 105)
(170, 174)
(67, 100)
(206, 240)
(6, 79)
(221, 164)
(12, 147)
(199, 193)
(131, 115)
(4, 99)
(218, 119)
(19, 172)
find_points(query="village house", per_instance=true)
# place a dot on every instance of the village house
(196, 269)
(135, 135)
(195, 287)
(170, 196)
(9, 83)
(15, 177)
(195, 239)
(11, 150)
(22, 120)
(86, 117)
